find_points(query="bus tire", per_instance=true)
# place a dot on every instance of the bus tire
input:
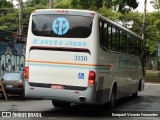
(61, 104)
(112, 101)
(134, 95)
(139, 86)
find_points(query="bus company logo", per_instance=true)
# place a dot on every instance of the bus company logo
(67, 43)
(60, 26)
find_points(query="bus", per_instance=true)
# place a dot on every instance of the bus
(80, 56)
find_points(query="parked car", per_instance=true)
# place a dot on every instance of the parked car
(13, 83)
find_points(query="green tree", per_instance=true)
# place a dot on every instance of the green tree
(32, 3)
(155, 4)
(63, 4)
(121, 5)
(152, 32)
(5, 4)
(87, 4)
(9, 20)
(6, 17)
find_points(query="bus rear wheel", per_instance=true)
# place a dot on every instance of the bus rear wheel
(134, 95)
(112, 101)
(61, 104)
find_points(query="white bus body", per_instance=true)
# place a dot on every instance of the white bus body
(67, 62)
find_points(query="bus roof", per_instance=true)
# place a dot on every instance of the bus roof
(65, 11)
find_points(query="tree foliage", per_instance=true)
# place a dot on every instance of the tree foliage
(155, 4)
(5, 4)
(122, 6)
(31, 3)
(9, 19)
(63, 4)
(152, 32)
(87, 4)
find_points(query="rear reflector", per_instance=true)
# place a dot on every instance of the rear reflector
(27, 72)
(91, 79)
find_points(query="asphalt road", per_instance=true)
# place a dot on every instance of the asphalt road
(147, 103)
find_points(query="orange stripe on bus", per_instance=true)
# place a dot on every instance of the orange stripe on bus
(68, 63)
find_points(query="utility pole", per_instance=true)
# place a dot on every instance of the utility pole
(20, 17)
(144, 20)
(50, 4)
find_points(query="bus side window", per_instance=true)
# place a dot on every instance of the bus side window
(136, 47)
(109, 37)
(129, 44)
(122, 42)
(139, 47)
(101, 37)
(105, 35)
(135, 51)
(132, 46)
(102, 33)
(114, 38)
(118, 40)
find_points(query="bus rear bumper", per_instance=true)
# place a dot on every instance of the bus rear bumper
(74, 96)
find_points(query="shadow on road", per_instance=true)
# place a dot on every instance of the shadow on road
(77, 110)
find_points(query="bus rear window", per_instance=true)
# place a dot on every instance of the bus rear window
(68, 26)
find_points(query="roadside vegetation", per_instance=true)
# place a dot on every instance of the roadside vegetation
(152, 76)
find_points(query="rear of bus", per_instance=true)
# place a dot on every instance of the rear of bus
(59, 59)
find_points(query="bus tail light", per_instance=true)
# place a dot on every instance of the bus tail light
(91, 78)
(27, 72)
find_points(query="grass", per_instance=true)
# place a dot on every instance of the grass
(152, 76)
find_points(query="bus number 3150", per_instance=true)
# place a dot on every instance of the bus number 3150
(80, 58)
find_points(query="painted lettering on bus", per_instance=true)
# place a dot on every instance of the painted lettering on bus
(59, 43)
(128, 63)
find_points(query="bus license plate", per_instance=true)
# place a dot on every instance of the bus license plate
(57, 86)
